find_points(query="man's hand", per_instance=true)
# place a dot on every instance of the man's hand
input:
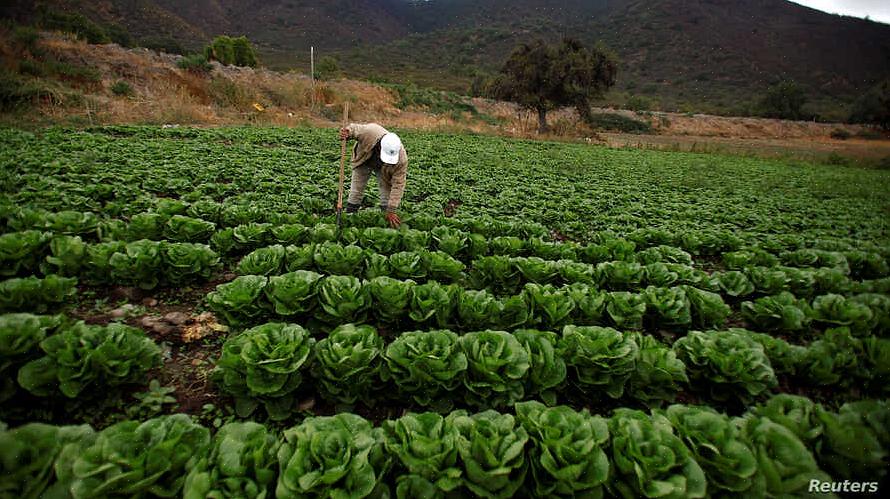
(393, 219)
(344, 133)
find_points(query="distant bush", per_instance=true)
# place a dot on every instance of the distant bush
(163, 44)
(122, 88)
(225, 92)
(26, 37)
(32, 67)
(873, 107)
(840, 134)
(785, 101)
(231, 51)
(435, 101)
(609, 121)
(72, 23)
(836, 159)
(16, 91)
(638, 103)
(327, 68)
(119, 35)
(195, 63)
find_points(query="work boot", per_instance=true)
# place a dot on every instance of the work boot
(352, 208)
(383, 208)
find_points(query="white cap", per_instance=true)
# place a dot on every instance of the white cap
(390, 146)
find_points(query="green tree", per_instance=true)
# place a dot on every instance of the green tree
(231, 51)
(244, 53)
(327, 68)
(544, 77)
(873, 107)
(784, 100)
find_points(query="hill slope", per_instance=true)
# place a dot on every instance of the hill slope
(696, 54)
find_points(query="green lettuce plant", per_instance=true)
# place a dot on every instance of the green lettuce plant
(268, 260)
(551, 307)
(32, 294)
(67, 256)
(785, 357)
(299, 257)
(185, 262)
(427, 366)
(290, 234)
(834, 310)
(21, 252)
(708, 308)
(425, 450)
(135, 459)
(240, 463)
(27, 455)
(547, 369)
(139, 264)
(667, 306)
(20, 337)
(626, 310)
(382, 240)
(432, 304)
(785, 463)
(497, 364)
(292, 293)
(88, 356)
(536, 270)
(567, 451)
(717, 446)
(335, 259)
(335, 456)
(441, 266)
(343, 299)
(184, 229)
(265, 365)
(659, 374)
(734, 283)
(407, 265)
(834, 359)
(239, 301)
(492, 453)
(649, 460)
(726, 364)
(390, 297)
(599, 358)
(347, 364)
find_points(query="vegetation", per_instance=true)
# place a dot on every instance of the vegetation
(785, 101)
(535, 345)
(543, 77)
(231, 51)
(873, 107)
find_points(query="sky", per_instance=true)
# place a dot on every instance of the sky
(876, 10)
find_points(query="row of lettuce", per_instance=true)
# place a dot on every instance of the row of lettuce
(339, 299)
(492, 238)
(147, 263)
(506, 274)
(190, 219)
(271, 366)
(777, 449)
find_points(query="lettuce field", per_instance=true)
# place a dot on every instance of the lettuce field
(181, 317)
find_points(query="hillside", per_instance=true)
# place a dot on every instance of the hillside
(697, 55)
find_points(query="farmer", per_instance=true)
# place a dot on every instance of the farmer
(379, 151)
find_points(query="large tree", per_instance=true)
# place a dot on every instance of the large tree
(544, 77)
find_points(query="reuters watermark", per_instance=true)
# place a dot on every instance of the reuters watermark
(818, 486)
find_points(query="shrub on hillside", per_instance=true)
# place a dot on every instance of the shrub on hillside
(122, 88)
(608, 121)
(196, 63)
(231, 51)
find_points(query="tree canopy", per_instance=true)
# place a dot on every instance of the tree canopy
(545, 77)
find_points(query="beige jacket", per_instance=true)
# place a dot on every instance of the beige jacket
(366, 137)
